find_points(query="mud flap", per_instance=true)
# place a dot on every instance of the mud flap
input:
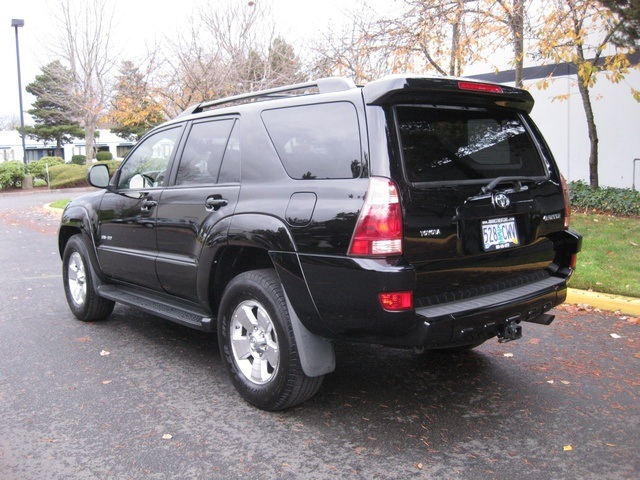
(317, 355)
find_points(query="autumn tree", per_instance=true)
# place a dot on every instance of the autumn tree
(582, 32)
(52, 114)
(134, 110)
(83, 43)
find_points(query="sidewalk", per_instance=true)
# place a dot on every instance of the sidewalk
(604, 301)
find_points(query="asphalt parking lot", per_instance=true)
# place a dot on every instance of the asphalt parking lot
(136, 397)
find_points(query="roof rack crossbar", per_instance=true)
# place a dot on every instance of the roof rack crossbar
(323, 85)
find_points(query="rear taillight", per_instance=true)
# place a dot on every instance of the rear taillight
(379, 228)
(567, 202)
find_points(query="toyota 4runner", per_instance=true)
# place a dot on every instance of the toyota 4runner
(414, 212)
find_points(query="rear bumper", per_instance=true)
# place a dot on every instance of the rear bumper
(478, 319)
(348, 308)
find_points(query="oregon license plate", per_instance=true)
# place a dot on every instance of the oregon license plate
(499, 233)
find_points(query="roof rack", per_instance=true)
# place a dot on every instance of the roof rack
(321, 85)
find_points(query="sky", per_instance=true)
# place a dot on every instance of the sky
(137, 23)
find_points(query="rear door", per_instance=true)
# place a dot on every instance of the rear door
(476, 189)
(204, 192)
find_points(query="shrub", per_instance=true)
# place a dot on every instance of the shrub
(38, 169)
(64, 176)
(79, 159)
(617, 201)
(11, 174)
(104, 156)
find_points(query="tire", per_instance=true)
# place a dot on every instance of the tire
(83, 300)
(258, 346)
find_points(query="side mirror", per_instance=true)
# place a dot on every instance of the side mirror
(98, 176)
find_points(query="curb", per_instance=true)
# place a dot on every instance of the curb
(605, 301)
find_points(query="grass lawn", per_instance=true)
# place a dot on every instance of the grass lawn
(60, 203)
(610, 258)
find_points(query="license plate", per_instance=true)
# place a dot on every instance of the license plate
(499, 233)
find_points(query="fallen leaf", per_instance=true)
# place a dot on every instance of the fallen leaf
(615, 335)
(167, 436)
(611, 445)
(419, 466)
(104, 353)
(550, 381)
(508, 354)
(107, 382)
(565, 382)
(567, 448)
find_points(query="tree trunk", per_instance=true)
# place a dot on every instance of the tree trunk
(517, 31)
(89, 143)
(593, 134)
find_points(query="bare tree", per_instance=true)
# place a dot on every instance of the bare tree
(363, 48)
(9, 122)
(227, 49)
(84, 44)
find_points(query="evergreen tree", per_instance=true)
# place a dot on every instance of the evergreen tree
(53, 117)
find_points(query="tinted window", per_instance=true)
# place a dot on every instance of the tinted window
(455, 144)
(147, 165)
(203, 152)
(316, 141)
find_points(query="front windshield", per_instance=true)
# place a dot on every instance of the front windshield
(456, 145)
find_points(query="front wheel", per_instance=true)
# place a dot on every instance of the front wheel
(258, 346)
(82, 298)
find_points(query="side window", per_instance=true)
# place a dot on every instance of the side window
(318, 141)
(146, 167)
(203, 152)
(230, 169)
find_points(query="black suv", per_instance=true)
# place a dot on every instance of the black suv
(412, 212)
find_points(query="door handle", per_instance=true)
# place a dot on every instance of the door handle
(148, 205)
(214, 203)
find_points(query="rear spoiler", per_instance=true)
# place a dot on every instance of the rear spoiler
(445, 91)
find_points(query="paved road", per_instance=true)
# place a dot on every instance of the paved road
(100, 400)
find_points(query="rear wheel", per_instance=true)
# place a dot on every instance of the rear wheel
(82, 298)
(258, 345)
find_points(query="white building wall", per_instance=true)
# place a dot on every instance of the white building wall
(617, 116)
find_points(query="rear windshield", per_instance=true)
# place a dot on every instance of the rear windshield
(454, 145)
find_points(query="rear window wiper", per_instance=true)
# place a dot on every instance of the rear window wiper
(496, 181)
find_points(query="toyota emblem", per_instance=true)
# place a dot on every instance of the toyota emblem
(501, 200)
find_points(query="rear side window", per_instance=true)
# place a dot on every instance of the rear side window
(203, 153)
(451, 144)
(317, 141)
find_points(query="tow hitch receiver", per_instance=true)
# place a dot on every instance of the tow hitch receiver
(511, 330)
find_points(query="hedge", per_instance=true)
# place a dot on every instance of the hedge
(616, 201)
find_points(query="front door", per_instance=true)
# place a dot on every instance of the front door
(127, 245)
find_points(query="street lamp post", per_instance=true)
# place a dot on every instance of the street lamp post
(15, 23)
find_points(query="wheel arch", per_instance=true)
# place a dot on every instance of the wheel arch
(247, 245)
(76, 221)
